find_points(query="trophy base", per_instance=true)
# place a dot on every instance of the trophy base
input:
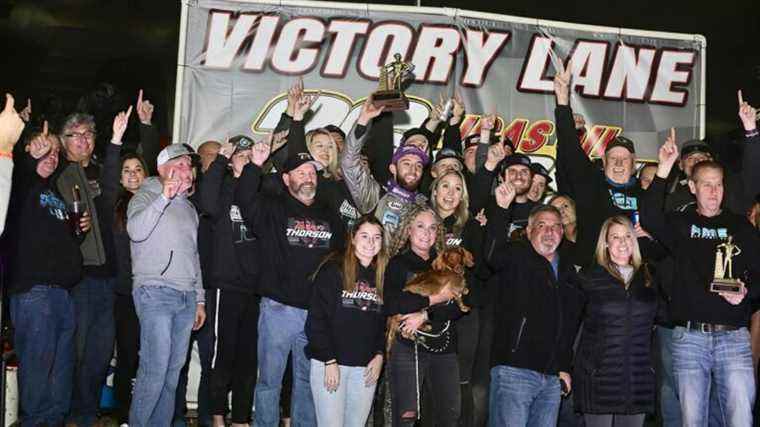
(728, 286)
(392, 100)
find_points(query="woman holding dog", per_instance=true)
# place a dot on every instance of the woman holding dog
(450, 199)
(416, 355)
(345, 328)
(614, 380)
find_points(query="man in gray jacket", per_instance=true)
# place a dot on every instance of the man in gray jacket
(392, 200)
(168, 291)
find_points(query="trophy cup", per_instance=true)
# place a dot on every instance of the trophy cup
(390, 91)
(723, 280)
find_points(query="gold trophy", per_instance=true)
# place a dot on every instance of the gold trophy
(390, 92)
(723, 280)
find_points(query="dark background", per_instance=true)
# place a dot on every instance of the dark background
(59, 51)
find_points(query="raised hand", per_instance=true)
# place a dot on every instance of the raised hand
(667, 155)
(144, 109)
(294, 94)
(747, 114)
(171, 185)
(277, 140)
(496, 153)
(120, 122)
(303, 105)
(41, 144)
(26, 113)
(11, 126)
(260, 151)
(457, 109)
(369, 111)
(227, 149)
(505, 194)
(562, 83)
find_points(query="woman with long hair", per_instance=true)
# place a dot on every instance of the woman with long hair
(614, 380)
(450, 199)
(566, 206)
(420, 356)
(345, 327)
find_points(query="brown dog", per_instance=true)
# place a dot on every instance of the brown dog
(448, 269)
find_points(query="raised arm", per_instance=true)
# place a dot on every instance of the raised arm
(363, 188)
(652, 208)
(11, 126)
(751, 158)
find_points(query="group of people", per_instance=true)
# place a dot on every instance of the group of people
(289, 253)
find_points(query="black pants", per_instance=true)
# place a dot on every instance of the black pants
(127, 354)
(234, 361)
(468, 335)
(442, 373)
(480, 381)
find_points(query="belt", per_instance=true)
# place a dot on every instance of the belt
(706, 327)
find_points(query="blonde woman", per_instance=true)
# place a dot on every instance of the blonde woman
(614, 380)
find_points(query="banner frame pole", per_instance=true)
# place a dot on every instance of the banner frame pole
(180, 79)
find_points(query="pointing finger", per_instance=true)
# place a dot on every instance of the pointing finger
(741, 98)
(45, 128)
(672, 134)
(8, 102)
(139, 98)
(129, 111)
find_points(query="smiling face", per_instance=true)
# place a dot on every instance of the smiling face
(687, 164)
(566, 209)
(445, 165)
(367, 241)
(422, 232)
(520, 178)
(448, 194)
(545, 232)
(47, 164)
(79, 142)
(302, 183)
(418, 141)
(537, 188)
(132, 174)
(620, 244)
(407, 171)
(618, 165)
(321, 148)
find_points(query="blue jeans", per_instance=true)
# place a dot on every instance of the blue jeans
(44, 323)
(95, 336)
(205, 339)
(166, 319)
(522, 397)
(722, 360)
(280, 332)
(670, 409)
(349, 405)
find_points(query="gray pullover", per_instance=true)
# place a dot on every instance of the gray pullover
(164, 236)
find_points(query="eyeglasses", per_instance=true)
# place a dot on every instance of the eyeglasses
(77, 135)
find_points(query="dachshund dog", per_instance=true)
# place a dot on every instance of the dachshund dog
(448, 268)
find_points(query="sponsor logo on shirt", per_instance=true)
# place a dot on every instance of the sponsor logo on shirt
(239, 229)
(348, 211)
(623, 201)
(452, 240)
(364, 298)
(308, 233)
(698, 232)
(55, 206)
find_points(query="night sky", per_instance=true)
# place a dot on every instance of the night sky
(58, 50)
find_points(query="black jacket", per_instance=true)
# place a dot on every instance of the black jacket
(613, 372)
(470, 237)
(535, 314)
(692, 239)
(294, 238)
(234, 265)
(342, 325)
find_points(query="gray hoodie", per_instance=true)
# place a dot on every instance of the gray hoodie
(164, 235)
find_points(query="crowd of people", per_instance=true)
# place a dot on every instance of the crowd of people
(285, 256)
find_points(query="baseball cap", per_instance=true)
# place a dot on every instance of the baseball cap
(172, 151)
(405, 150)
(539, 169)
(242, 142)
(297, 160)
(695, 146)
(416, 131)
(447, 153)
(515, 159)
(333, 128)
(621, 141)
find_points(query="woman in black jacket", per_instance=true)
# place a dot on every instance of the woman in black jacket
(432, 355)
(614, 378)
(346, 327)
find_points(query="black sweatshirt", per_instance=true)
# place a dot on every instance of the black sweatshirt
(401, 269)
(470, 237)
(294, 238)
(234, 265)
(342, 325)
(45, 249)
(692, 239)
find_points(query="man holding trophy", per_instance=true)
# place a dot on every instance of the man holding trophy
(716, 262)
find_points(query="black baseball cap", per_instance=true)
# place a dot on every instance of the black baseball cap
(695, 146)
(515, 159)
(621, 141)
(539, 169)
(333, 128)
(416, 131)
(447, 153)
(242, 142)
(297, 160)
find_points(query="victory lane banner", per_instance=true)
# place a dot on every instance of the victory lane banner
(237, 60)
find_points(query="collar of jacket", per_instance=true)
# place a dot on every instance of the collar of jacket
(394, 188)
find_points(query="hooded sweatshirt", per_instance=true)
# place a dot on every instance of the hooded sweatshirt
(164, 235)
